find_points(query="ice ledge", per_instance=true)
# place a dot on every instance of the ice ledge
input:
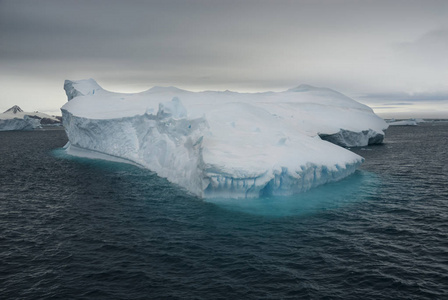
(25, 123)
(282, 183)
(79, 88)
(86, 153)
(347, 138)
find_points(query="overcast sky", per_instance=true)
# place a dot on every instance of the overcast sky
(392, 55)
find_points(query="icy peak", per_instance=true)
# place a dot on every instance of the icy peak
(163, 89)
(303, 88)
(310, 88)
(83, 87)
(15, 109)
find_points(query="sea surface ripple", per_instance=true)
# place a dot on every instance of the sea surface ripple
(74, 228)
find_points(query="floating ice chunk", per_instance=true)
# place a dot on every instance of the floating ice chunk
(225, 144)
(411, 122)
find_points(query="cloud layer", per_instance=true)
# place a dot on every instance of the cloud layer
(357, 47)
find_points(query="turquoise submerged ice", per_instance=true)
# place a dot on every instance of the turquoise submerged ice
(224, 144)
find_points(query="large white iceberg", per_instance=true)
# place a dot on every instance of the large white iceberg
(224, 144)
(16, 119)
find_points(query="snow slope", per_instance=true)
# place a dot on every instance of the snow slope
(224, 144)
(16, 119)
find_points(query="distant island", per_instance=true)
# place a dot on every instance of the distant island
(17, 119)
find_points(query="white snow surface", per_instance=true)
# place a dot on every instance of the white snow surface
(224, 144)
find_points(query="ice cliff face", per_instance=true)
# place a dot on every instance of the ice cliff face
(224, 144)
(25, 123)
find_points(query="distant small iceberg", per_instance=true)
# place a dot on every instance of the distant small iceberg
(408, 122)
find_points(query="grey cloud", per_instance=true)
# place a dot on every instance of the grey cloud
(400, 103)
(400, 96)
(162, 30)
(157, 35)
(234, 44)
(383, 107)
(431, 47)
(437, 37)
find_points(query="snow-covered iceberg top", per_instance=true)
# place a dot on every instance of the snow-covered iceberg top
(16, 119)
(224, 143)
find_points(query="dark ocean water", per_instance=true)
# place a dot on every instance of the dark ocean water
(75, 228)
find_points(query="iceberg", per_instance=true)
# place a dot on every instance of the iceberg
(410, 122)
(224, 144)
